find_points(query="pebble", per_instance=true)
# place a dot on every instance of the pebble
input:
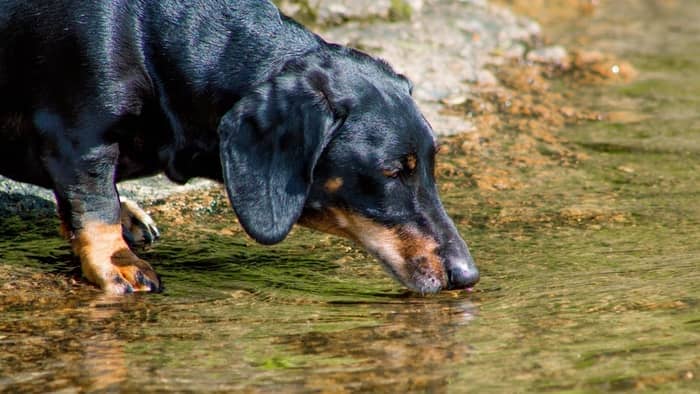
(556, 55)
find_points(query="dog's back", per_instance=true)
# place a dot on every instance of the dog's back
(58, 68)
(49, 49)
(132, 67)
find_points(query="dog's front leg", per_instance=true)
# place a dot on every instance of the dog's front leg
(90, 212)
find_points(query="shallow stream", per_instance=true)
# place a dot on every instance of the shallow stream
(590, 271)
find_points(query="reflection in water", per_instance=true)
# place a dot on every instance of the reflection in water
(61, 338)
(414, 346)
(104, 364)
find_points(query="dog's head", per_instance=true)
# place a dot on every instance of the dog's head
(336, 143)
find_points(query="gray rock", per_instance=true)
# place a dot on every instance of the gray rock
(333, 12)
(159, 187)
(555, 55)
(444, 50)
(25, 199)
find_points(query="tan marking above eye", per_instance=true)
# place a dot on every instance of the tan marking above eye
(332, 185)
(411, 161)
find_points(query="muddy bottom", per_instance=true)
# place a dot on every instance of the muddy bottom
(586, 228)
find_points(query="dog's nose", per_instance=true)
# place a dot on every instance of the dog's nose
(462, 276)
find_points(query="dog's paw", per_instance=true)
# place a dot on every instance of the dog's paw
(130, 274)
(138, 228)
(108, 261)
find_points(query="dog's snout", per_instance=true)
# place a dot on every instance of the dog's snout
(462, 275)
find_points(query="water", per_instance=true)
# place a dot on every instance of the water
(591, 278)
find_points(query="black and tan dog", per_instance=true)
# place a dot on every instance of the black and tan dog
(299, 130)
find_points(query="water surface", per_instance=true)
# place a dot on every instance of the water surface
(591, 272)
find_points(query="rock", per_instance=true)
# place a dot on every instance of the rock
(486, 78)
(445, 50)
(334, 12)
(159, 187)
(553, 55)
(26, 199)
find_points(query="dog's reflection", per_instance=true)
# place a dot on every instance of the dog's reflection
(104, 364)
(414, 346)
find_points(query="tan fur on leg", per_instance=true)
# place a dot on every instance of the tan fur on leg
(108, 262)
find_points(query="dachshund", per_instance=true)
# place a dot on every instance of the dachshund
(299, 130)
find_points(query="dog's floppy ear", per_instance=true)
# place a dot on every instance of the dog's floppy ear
(270, 143)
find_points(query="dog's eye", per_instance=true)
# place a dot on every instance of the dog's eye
(411, 162)
(404, 167)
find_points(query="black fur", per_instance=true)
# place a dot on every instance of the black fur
(94, 92)
(274, 138)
